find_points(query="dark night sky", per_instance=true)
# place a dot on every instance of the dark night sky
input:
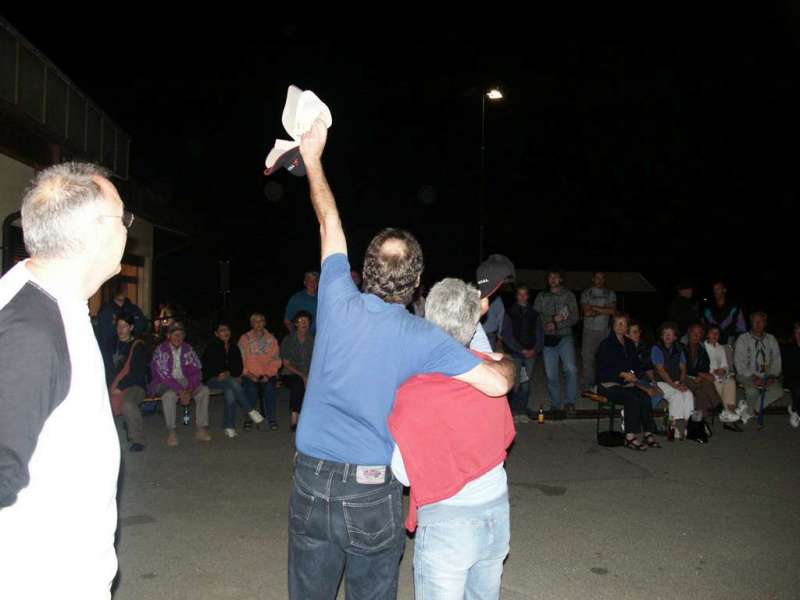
(629, 141)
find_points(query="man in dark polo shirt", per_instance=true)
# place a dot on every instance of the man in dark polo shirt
(346, 510)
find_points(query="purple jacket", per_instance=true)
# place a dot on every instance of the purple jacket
(161, 368)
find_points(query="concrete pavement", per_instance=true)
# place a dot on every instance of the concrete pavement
(209, 521)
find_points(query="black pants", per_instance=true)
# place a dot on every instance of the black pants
(297, 390)
(638, 408)
(796, 398)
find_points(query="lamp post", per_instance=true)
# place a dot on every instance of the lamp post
(493, 94)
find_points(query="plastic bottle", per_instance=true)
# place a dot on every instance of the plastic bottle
(541, 416)
(187, 418)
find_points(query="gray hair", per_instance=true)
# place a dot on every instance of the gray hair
(455, 306)
(52, 207)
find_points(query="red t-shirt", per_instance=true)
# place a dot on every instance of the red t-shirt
(449, 434)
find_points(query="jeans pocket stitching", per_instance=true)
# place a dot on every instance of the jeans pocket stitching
(353, 532)
(309, 502)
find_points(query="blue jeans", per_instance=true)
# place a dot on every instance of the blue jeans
(267, 388)
(339, 526)
(521, 393)
(565, 350)
(459, 551)
(234, 394)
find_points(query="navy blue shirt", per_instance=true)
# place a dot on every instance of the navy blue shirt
(614, 358)
(364, 350)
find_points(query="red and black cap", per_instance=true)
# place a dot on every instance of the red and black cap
(291, 161)
(494, 272)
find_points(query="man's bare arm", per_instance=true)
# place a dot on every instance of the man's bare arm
(493, 378)
(330, 226)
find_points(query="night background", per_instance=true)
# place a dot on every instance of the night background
(660, 141)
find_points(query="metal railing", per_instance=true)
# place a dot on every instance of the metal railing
(32, 84)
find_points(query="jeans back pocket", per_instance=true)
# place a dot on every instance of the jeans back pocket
(300, 507)
(371, 525)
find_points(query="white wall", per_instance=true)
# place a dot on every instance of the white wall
(14, 179)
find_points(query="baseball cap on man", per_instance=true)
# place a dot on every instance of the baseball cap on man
(285, 155)
(494, 272)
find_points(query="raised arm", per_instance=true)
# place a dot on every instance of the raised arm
(330, 226)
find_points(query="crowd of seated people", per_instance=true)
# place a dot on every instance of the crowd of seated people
(704, 362)
(160, 367)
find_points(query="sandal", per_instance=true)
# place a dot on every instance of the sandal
(635, 444)
(651, 441)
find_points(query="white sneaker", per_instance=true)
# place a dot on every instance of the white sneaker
(255, 416)
(794, 419)
(231, 433)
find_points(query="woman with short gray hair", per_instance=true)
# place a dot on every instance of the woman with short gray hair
(451, 445)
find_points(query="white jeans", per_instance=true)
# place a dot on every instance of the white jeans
(681, 404)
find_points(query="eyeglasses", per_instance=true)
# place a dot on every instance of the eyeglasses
(126, 216)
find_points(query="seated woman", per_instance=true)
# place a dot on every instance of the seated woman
(296, 350)
(790, 356)
(699, 378)
(618, 370)
(669, 363)
(648, 383)
(222, 370)
(261, 361)
(128, 379)
(721, 359)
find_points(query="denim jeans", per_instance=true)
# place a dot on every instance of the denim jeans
(234, 394)
(339, 526)
(459, 551)
(267, 388)
(565, 351)
(521, 393)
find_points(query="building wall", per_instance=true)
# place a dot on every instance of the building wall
(140, 243)
(14, 179)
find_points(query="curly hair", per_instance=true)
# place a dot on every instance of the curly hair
(392, 266)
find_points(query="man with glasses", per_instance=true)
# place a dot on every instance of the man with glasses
(59, 450)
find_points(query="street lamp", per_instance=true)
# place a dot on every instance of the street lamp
(492, 94)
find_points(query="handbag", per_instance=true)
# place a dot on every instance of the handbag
(697, 429)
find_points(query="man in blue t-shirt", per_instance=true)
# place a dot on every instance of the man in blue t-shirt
(305, 299)
(346, 506)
